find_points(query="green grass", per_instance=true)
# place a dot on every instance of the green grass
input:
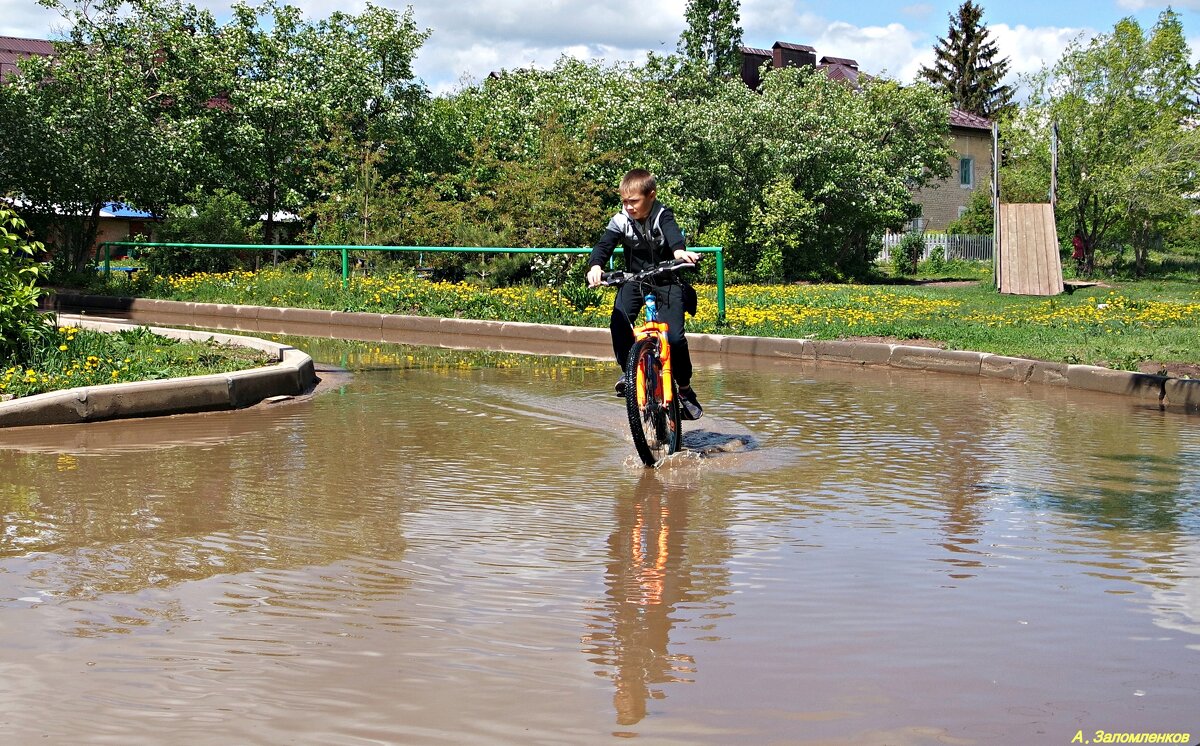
(1126, 325)
(70, 357)
(1122, 326)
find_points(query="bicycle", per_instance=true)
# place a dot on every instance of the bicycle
(651, 394)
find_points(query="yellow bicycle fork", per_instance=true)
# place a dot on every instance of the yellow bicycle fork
(656, 329)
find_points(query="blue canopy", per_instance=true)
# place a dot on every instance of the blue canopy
(121, 210)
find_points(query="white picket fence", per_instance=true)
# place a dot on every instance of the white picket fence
(971, 248)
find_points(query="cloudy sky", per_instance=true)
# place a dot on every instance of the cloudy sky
(470, 38)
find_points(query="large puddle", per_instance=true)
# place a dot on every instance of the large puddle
(457, 548)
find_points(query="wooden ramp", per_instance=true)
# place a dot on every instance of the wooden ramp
(1029, 261)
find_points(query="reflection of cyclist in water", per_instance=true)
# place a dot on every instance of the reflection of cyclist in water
(646, 578)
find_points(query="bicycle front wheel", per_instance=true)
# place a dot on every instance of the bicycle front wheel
(654, 424)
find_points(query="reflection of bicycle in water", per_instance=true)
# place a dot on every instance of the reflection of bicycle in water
(651, 395)
(647, 577)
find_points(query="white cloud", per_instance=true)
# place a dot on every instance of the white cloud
(767, 21)
(627, 24)
(445, 69)
(1030, 49)
(900, 52)
(897, 50)
(917, 10)
(471, 39)
(25, 19)
(890, 50)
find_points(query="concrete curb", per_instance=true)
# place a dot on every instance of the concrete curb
(1174, 394)
(293, 375)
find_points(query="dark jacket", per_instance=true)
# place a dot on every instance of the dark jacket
(646, 244)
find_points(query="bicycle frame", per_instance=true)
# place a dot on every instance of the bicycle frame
(654, 414)
(653, 328)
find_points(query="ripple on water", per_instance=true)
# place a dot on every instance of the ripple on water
(451, 554)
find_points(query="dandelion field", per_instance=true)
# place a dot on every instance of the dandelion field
(1123, 327)
(1126, 325)
(80, 357)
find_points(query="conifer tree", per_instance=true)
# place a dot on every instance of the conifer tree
(965, 65)
(713, 35)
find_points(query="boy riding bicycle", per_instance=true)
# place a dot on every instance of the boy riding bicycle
(649, 234)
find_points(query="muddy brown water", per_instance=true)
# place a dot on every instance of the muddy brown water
(459, 548)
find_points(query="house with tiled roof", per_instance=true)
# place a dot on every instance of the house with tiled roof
(971, 170)
(970, 135)
(783, 54)
(13, 49)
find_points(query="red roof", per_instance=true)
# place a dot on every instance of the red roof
(13, 49)
(839, 61)
(25, 46)
(841, 72)
(960, 118)
(844, 69)
(796, 47)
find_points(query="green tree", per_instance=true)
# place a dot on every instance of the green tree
(966, 68)
(713, 35)
(219, 217)
(615, 108)
(368, 92)
(532, 158)
(290, 83)
(979, 219)
(272, 115)
(362, 205)
(509, 196)
(20, 322)
(1128, 146)
(780, 226)
(114, 115)
(806, 173)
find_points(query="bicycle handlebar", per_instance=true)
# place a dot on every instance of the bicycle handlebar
(620, 278)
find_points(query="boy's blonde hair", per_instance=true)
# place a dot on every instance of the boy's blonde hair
(638, 181)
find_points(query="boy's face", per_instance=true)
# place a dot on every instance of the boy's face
(636, 204)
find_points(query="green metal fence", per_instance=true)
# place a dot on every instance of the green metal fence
(106, 248)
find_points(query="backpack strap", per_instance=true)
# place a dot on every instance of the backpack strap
(654, 217)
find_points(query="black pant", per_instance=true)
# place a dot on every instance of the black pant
(626, 308)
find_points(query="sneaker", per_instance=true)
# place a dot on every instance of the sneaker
(620, 387)
(690, 408)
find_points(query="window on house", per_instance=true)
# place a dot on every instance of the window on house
(966, 172)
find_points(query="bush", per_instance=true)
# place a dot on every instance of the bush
(1183, 238)
(908, 253)
(220, 217)
(494, 271)
(20, 323)
(978, 219)
(782, 229)
(935, 264)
